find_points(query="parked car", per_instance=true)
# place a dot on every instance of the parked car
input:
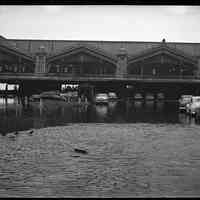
(35, 97)
(138, 96)
(193, 106)
(112, 96)
(101, 98)
(52, 95)
(160, 96)
(149, 97)
(184, 101)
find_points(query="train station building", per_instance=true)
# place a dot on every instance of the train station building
(100, 61)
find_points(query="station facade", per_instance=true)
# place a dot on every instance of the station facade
(102, 58)
(101, 63)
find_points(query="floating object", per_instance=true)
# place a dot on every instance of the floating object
(80, 151)
(16, 133)
(75, 156)
(31, 132)
(3, 134)
(12, 136)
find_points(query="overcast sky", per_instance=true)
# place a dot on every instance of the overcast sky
(96, 22)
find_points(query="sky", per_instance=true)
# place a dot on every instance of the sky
(98, 22)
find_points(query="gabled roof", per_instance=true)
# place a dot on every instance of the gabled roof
(83, 48)
(7, 46)
(162, 49)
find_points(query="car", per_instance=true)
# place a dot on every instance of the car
(101, 98)
(160, 96)
(138, 96)
(35, 97)
(52, 95)
(193, 106)
(112, 96)
(149, 97)
(184, 101)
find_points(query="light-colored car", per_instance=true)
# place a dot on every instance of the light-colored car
(184, 101)
(35, 97)
(138, 96)
(112, 96)
(101, 98)
(191, 108)
(52, 95)
(149, 97)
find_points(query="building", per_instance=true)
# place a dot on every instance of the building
(66, 60)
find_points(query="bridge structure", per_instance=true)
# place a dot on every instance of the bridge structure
(124, 67)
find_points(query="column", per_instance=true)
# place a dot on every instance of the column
(180, 67)
(121, 70)
(141, 71)
(40, 65)
(198, 68)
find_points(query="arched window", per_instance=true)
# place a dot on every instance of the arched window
(66, 69)
(15, 68)
(57, 68)
(154, 71)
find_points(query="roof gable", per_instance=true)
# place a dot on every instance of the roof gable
(86, 49)
(6, 46)
(162, 49)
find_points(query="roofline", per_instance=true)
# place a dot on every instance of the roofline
(100, 41)
(79, 48)
(25, 56)
(162, 47)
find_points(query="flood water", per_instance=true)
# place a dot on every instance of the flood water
(134, 149)
(15, 117)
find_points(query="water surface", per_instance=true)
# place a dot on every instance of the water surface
(15, 117)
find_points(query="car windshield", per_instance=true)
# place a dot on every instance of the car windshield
(112, 94)
(101, 95)
(186, 99)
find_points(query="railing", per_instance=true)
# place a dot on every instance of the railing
(114, 76)
(162, 76)
(81, 75)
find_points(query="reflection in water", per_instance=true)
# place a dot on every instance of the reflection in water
(138, 104)
(159, 105)
(52, 113)
(7, 100)
(101, 110)
(150, 105)
(185, 119)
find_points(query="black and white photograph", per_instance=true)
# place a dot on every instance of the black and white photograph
(99, 101)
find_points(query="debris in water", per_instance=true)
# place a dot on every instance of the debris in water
(12, 136)
(3, 134)
(16, 132)
(31, 132)
(75, 156)
(80, 151)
